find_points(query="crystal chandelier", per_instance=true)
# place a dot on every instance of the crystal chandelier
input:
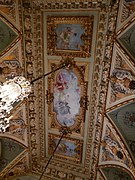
(11, 92)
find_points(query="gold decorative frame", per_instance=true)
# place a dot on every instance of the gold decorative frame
(81, 71)
(79, 147)
(85, 21)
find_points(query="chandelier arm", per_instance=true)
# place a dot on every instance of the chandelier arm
(63, 133)
(48, 73)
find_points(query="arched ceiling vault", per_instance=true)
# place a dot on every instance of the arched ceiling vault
(93, 97)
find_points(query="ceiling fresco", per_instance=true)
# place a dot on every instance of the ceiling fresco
(127, 40)
(71, 33)
(121, 78)
(7, 35)
(9, 151)
(20, 166)
(90, 96)
(112, 150)
(124, 120)
(116, 173)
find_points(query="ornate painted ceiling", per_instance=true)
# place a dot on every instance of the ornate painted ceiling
(93, 97)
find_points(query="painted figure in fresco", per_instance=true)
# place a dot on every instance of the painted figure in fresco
(122, 82)
(111, 149)
(66, 97)
(129, 119)
(9, 69)
(3, 163)
(120, 175)
(5, 96)
(17, 126)
(66, 148)
(69, 36)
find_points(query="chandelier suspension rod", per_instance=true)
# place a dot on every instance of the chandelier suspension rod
(40, 77)
(63, 133)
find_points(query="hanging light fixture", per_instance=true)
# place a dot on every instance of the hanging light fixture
(11, 92)
(4, 124)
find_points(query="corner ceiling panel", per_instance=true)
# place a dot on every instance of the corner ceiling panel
(116, 173)
(126, 13)
(10, 149)
(8, 35)
(127, 40)
(121, 78)
(20, 166)
(124, 120)
(113, 151)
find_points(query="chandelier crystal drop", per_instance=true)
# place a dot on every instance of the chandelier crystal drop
(11, 92)
(4, 124)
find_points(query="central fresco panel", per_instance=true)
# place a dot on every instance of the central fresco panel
(68, 37)
(68, 47)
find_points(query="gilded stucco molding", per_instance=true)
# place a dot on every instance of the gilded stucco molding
(40, 90)
(112, 12)
(29, 69)
(69, 4)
